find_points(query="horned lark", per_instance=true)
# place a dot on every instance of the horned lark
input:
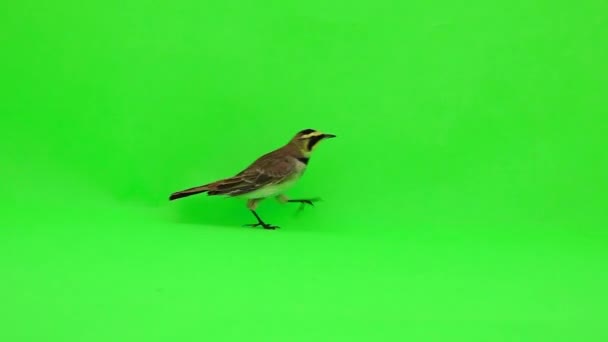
(270, 175)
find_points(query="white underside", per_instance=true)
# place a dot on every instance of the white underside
(270, 190)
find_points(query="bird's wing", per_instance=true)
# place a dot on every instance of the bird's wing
(263, 172)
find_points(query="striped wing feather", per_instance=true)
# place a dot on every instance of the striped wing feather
(269, 169)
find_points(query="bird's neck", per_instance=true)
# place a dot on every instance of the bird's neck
(298, 149)
(299, 152)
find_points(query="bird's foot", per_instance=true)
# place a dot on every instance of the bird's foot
(265, 225)
(304, 202)
(310, 201)
(260, 222)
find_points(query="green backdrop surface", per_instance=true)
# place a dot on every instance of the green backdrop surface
(463, 200)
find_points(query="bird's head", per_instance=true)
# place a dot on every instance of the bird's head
(306, 140)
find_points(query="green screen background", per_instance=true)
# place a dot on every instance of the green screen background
(463, 200)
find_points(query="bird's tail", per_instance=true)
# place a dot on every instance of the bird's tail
(189, 192)
(232, 186)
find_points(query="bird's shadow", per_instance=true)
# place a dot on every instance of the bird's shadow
(201, 211)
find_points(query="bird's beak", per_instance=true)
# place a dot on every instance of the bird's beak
(326, 136)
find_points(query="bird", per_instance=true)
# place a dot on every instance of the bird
(270, 175)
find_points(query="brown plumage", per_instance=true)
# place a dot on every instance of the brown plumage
(271, 168)
(269, 175)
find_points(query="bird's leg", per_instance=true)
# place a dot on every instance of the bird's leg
(252, 205)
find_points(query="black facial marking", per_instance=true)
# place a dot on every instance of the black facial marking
(306, 131)
(313, 141)
(303, 160)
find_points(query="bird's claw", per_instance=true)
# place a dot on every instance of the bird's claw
(265, 225)
(306, 201)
